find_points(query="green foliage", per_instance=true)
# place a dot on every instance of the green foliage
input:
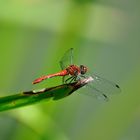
(35, 96)
(33, 37)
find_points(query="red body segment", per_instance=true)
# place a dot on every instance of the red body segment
(71, 70)
(61, 73)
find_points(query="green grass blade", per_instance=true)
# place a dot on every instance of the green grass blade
(35, 96)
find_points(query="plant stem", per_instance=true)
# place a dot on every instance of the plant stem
(31, 97)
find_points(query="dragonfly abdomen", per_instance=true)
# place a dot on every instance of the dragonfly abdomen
(61, 73)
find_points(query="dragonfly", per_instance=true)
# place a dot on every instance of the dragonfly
(99, 87)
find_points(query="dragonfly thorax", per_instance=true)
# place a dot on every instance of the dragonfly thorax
(76, 70)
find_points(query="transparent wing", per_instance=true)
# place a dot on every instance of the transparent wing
(67, 59)
(104, 85)
(95, 93)
(101, 88)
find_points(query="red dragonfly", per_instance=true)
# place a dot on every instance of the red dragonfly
(99, 87)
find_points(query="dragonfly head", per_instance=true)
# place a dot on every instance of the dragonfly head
(83, 69)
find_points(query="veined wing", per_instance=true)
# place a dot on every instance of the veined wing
(67, 59)
(104, 85)
(101, 88)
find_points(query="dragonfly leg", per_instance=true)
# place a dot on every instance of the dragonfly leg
(70, 79)
(73, 79)
(66, 81)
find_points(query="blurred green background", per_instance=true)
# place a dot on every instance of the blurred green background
(34, 34)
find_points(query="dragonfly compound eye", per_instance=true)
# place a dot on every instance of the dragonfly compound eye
(83, 69)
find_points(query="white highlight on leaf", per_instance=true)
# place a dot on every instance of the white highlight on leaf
(39, 90)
